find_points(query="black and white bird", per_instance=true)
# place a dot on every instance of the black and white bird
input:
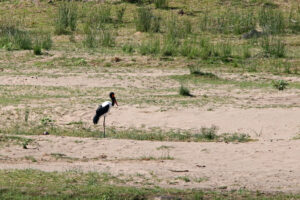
(104, 109)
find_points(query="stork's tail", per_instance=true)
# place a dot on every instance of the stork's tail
(97, 116)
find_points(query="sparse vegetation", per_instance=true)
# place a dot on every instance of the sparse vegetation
(184, 91)
(229, 54)
(280, 84)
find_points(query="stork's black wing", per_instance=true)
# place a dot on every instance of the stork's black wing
(99, 112)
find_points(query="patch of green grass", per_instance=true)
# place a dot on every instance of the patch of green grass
(34, 184)
(15, 140)
(13, 37)
(203, 135)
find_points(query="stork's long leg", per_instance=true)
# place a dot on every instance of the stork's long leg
(104, 125)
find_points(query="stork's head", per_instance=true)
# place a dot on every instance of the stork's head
(113, 98)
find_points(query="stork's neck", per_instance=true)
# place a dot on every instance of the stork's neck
(112, 102)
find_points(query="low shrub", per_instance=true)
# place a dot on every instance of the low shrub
(280, 84)
(183, 91)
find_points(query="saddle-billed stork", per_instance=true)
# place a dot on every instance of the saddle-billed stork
(104, 108)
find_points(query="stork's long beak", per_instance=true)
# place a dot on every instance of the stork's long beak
(116, 101)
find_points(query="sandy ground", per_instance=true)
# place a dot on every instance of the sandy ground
(272, 163)
(266, 166)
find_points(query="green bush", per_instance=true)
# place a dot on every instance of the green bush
(183, 91)
(37, 48)
(280, 84)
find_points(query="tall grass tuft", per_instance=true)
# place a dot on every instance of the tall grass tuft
(170, 47)
(120, 13)
(143, 19)
(228, 21)
(107, 38)
(176, 28)
(37, 47)
(294, 20)
(225, 51)
(90, 39)
(66, 20)
(273, 47)
(206, 49)
(95, 38)
(150, 47)
(183, 91)
(155, 24)
(272, 20)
